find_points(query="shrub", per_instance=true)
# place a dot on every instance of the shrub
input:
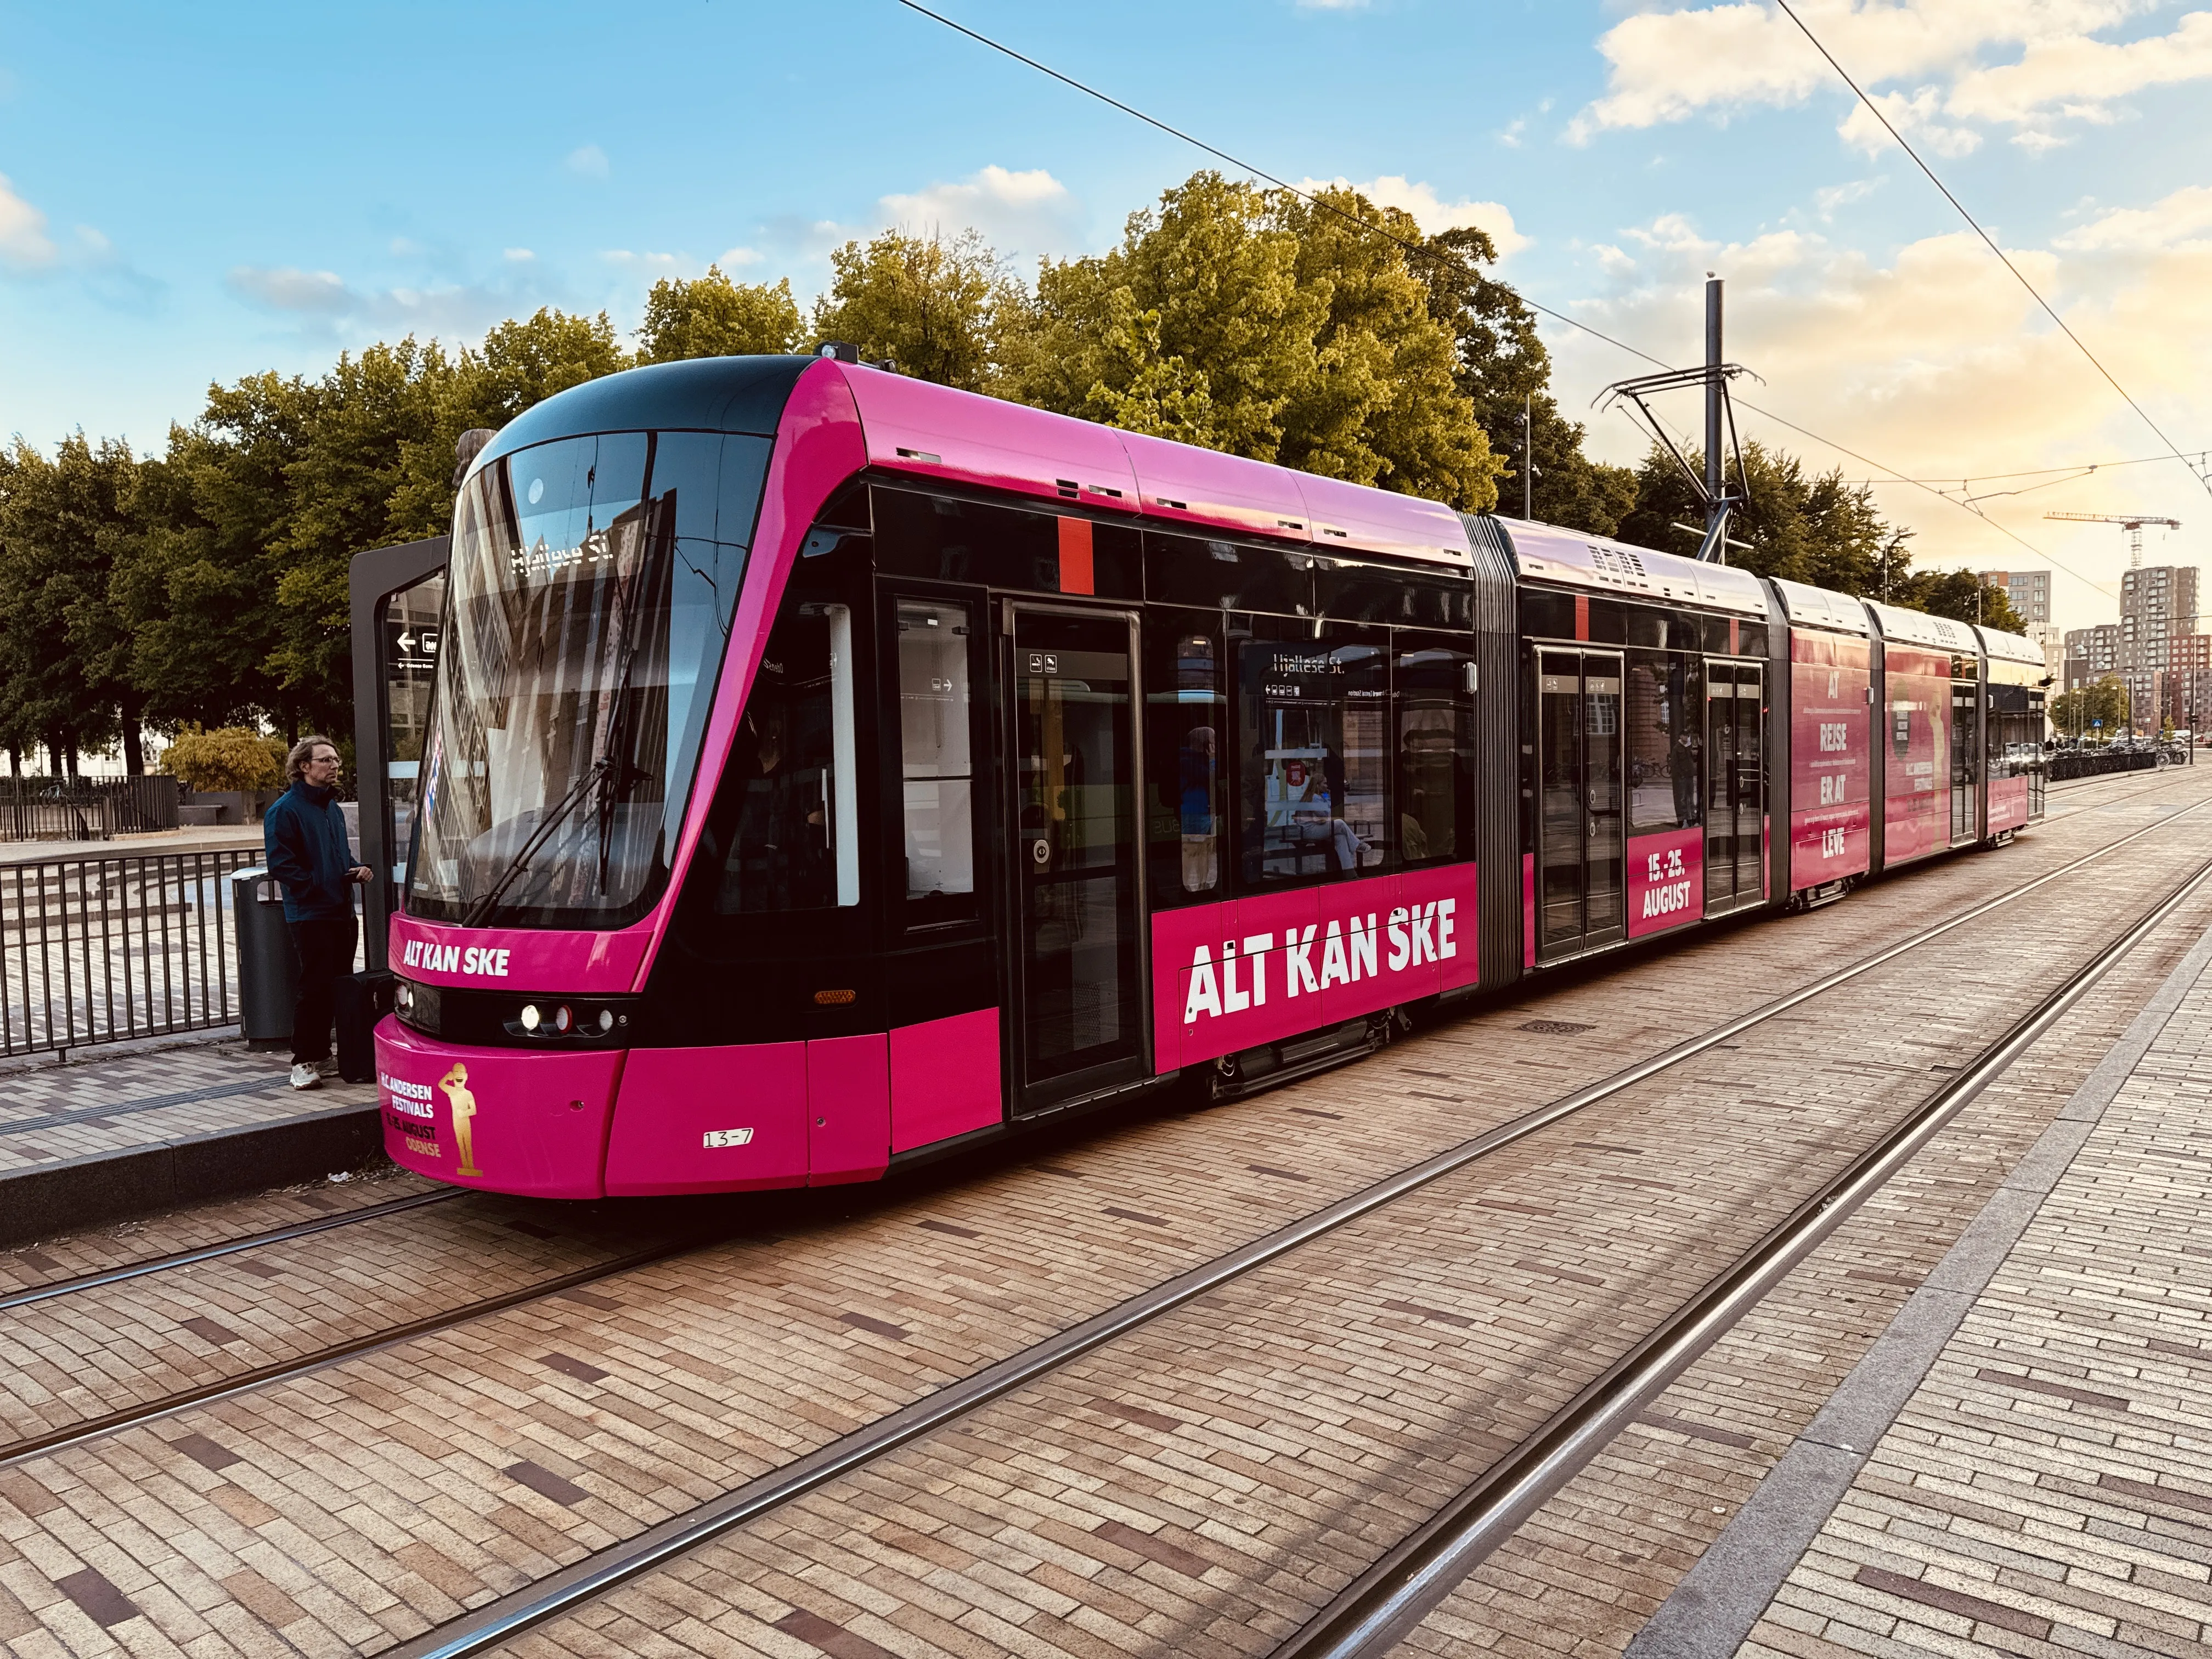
(229, 758)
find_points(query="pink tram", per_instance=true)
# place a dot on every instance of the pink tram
(826, 770)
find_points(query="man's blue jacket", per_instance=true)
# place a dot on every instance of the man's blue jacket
(303, 835)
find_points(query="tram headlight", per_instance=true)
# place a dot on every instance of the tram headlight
(606, 1021)
(531, 1017)
(403, 997)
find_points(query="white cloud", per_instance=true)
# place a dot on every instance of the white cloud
(324, 306)
(737, 257)
(1021, 214)
(2178, 221)
(1831, 197)
(1429, 210)
(1936, 361)
(24, 244)
(517, 255)
(1667, 64)
(588, 162)
(656, 264)
(1916, 116)
(286, 288)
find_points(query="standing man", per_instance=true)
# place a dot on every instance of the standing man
(303, 835)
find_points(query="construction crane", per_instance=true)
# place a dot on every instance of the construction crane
(2133, 523)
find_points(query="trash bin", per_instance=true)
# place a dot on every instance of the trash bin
(268, 977)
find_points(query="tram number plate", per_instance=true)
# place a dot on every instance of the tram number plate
(714, 1137)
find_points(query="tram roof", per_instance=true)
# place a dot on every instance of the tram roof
(1549, 553)
(1808, 606)
(2011, 648)
(917, 428)
(1919, 628)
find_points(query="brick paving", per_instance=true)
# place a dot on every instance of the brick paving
(343, 1512)
(2047, 1489)
(1586, 1573)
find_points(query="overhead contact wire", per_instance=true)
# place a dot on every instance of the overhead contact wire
(1419, 251)
(2006, 259)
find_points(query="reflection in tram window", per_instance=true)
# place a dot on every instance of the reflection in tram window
(1316, 775)
(1436, 752)
(937, 771)
(1183, 735)
(1665, 745)
(786, 762)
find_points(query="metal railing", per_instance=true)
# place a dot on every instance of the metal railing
(100, 949)
(86, 809)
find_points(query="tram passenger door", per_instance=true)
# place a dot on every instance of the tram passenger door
(1735, 784)
(1078, 991)
(1581, 901)
(1965, 762)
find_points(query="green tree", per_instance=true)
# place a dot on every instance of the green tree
(1255, 322)
(714, 317)
(521, 362)
(932, 304)
(1963, 596)
(2078, 713)
(1818, 530)
(64, 648)
(1505, 370)
(229, 758)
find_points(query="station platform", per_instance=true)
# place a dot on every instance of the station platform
(137, 1129)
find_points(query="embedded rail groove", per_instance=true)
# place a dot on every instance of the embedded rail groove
(1384, 1605)
(129, 1416)
(130, 1270)
(501, 1620)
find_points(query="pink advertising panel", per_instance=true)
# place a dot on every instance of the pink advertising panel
(494, 1117)
(2008, 803)
(1916, 747)
(518, 959)
(944, 1078)
(1666, 879)
(1831, 800)
(1252, 971)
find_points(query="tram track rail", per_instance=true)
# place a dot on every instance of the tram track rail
(92, 1428)
(100, 1278)
(489, 1627)
(1386, 1603)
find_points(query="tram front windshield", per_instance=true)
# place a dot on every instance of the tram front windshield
(592, 587)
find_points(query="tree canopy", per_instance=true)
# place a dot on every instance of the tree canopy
(205, 585)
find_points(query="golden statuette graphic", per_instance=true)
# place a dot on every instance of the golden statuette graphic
(455, 1082)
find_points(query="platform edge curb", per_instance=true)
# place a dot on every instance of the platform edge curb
(100, 1187)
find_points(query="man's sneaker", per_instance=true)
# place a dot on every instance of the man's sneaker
(326, 1067)
(305, 1076)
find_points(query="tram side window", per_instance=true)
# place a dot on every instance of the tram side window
(1665, 700)
(1315, 777)
(795, 846)
(936, 759)
(1187, 714)
(1436, 752)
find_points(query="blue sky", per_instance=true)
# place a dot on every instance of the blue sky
(199, 193)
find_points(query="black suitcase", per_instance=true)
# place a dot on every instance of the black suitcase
(363, 998)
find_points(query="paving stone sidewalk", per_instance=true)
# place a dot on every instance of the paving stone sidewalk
(125, 1132)
(2047, 1488)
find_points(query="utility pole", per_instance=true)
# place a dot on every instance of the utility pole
(1717, 501)
(1529, 456)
